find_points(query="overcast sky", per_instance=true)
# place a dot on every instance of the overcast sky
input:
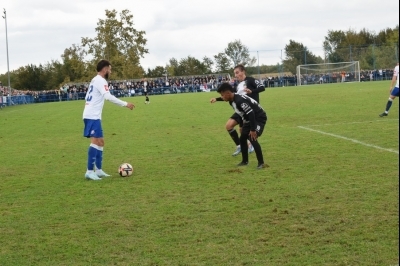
(40, 30)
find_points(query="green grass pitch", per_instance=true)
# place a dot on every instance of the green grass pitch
(330, 196)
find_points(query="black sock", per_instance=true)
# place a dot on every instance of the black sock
(388, 105)
(234, 135)
(258, 151)
(244, 148)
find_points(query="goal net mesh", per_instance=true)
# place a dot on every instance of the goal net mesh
(328, 73)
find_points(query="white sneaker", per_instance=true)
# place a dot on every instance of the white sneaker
(238, 150)
(92, 176)
(101, 173)
(251, 148)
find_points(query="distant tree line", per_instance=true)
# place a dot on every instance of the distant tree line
(372, 50)
(118, 41)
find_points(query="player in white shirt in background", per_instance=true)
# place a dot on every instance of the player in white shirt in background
(393, 90)
(98, 91)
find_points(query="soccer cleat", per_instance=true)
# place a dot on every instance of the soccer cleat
(238, 150)
(92, 176)
(262, 165)
(383, 114)
(251, 148)
(243, 164)
(101, 173)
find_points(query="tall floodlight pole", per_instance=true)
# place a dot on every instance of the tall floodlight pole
(8, 61)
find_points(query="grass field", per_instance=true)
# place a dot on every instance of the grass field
(330, 196)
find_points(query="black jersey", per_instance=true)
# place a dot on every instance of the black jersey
(250, 110)
(252, 84)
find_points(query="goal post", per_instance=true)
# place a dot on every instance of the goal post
(328, 73)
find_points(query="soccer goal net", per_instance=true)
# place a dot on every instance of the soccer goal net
(328, 73)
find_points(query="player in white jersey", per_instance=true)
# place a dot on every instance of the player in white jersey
(94, 101)
(393, 90)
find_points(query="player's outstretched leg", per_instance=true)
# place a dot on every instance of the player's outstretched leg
(235, 137)
(388, 105)
(230, 127)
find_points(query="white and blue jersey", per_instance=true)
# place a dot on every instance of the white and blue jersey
(94, 101)
(395, 90)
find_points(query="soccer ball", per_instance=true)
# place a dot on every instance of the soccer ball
(125, 170)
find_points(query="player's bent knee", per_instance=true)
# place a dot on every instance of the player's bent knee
(229, 127)
(230, 124)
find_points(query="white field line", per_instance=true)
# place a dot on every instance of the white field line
(360, 122)
(349, 139)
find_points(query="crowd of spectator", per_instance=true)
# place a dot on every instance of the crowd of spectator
(171, 85)
(337, 77)
(120, 88)
(279, 81)
(154, 86)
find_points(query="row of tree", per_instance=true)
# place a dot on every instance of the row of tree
(235, 53)
(118, 41)
(372, 50)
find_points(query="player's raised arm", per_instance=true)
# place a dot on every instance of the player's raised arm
(108, 96)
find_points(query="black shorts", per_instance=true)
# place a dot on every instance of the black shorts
(259, 128)
(237, 118)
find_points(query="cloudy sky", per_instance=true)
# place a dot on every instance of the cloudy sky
(40, 30)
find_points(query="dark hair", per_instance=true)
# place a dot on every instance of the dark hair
(102, 64)
(225, 87)
(241, 67)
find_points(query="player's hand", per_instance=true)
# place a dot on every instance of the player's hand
(213, 100)
(248, 91)
(253, 135)
(130, 106)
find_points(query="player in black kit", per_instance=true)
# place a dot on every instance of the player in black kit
(247, 86)
(254, 119)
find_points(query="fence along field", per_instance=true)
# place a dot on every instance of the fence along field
(324, 200)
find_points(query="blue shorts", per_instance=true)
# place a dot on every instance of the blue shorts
(395, 92)
(92, 128)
